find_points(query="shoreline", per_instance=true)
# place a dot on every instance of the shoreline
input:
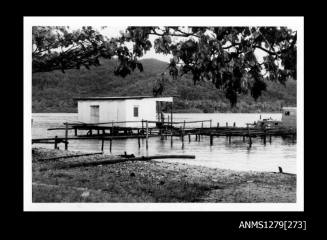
(152, 181)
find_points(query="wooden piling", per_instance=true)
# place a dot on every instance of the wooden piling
(211, 139)
(234, 125)
(147, 135)
(110, 144)
(102, 143)
(217, 124)
(270, 138)
(66, 136)
(139, 142)
(226, 124)
(250, 140)
(210, 123)
(55, 142)
(189, 137)
(75, 131)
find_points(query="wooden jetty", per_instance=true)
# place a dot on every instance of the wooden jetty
(109, 131)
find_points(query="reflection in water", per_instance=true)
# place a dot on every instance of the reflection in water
(235, 155)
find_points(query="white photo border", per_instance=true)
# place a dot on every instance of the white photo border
(296, 23)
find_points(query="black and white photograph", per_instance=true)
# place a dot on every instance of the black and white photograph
(163, 114)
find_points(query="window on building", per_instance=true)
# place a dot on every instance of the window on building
(287, 113)
(136, 111)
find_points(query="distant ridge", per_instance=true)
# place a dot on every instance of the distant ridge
(54, 91)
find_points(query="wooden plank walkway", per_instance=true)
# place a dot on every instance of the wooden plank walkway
(164, 130)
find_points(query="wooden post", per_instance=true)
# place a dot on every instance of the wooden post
(171, 114)
(147, 135)
(66, 136)
(138, 141)
(243, 138)
(102, 143)
(229, 139)
(75, 131)
(142, 126)
(217, 124)
(171, 139)
(250, 140)
(56, 142)
(110, 144)
(226, 124)
(264, 137)
(211, 140)
(234, 124)
(270, 138)
(184, 126)
(210, 122)
(189, 137)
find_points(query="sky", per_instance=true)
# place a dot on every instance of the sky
(115, 32)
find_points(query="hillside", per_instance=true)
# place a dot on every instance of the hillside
(54, 91)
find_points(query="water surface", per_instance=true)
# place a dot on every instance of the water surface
(235, 156)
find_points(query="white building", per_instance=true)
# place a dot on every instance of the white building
(289, 116)
(117, 109)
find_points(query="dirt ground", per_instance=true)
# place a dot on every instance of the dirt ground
(151, 181)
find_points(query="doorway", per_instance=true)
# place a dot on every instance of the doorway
(94, 113)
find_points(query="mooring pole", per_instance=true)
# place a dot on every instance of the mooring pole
(211, 139)
(75, 131)
(270, 138)
(142, 127)
(171, 115)
(217, 124)
(189, 137)
(147, 135)
(55, 142)
(250, 140)
(110, 144)
(102, 143)
(234, 124)
(66, 136)
(226, 124)
(138, 141)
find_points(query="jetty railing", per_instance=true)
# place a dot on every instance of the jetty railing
(165, 129)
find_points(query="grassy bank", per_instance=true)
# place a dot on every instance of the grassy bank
(152, 181)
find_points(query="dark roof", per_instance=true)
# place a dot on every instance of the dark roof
(116, 98)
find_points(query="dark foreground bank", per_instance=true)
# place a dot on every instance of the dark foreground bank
(150, 181)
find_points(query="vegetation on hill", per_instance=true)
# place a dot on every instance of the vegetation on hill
(225, 56)
(54, 91)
